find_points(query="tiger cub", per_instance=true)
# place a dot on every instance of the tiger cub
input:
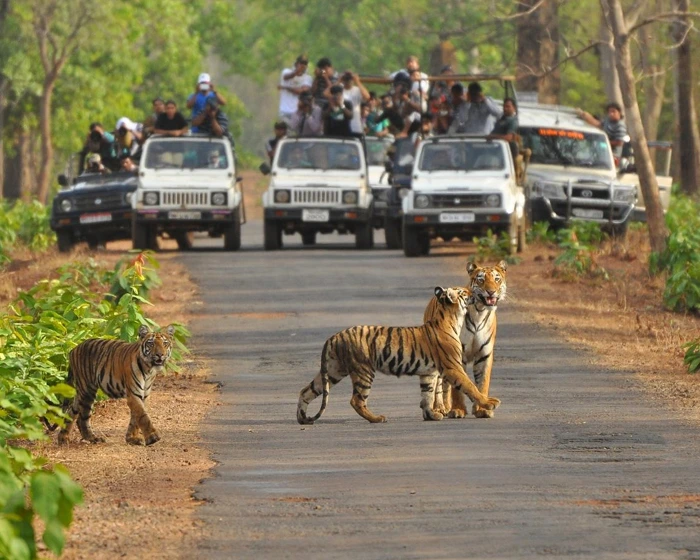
(424, 351)
(121, 369)
(478, 337)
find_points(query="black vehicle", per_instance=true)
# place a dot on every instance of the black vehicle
(96, 208)
(399, 168)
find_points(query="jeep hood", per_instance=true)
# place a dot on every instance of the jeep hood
(317, 178)
(186, 179)
(561, 174)
(464, 182)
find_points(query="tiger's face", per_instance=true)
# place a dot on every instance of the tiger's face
(457, 298)
(488, 283)
(156, 347)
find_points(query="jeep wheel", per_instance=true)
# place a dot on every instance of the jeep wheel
(65, 241)
(232, 235)
(308, 238)
(415, 244)
(184, 240)
(392, 233)
(143, 237)
(364, 236)
(272, 235)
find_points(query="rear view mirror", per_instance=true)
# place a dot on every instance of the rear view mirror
(63, 180)
(264, 168)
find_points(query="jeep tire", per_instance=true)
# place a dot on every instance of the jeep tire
(184, 240)
(232, 234)
(272, 236)
(364, 236)
(65, 241)
(143, 236)
(415, 242)
(392, 232)
(308, 238)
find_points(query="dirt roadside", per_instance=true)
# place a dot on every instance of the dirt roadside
(139, 500)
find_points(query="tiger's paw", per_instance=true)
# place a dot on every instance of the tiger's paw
(457, 413)
(491, 403)
(481, 412)
(432, 415)
(303, 419)
(153, 438)
(378, 419)
(134, 440)
(95, 439)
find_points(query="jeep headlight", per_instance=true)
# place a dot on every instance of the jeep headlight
(403, 193)
(282, 196)
(349, 197)
(548, 190)
(493, 200)
(625, 194)
(421, 201)
(151, 198)
(127, 198)
(66, 205)
(218, 199)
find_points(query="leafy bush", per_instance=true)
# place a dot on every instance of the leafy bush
(496, 248)
(42, 326)
(25, 223)
(579, 252)
(541, 232)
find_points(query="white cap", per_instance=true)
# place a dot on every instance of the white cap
(203, 77)
(126, 123)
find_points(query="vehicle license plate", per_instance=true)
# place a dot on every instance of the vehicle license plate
(184, 215)
(95, 218)
(315, 215)
(587, 213)
(457, 217)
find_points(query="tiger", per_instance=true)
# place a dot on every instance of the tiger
(425, 350)
(478, 336)
(121, 369)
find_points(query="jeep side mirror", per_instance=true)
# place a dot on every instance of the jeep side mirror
(264, 168)
(63, 180)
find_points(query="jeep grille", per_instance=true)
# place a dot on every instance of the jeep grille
(457, 200)
(316, 196)
(92, 202)
(185, 198)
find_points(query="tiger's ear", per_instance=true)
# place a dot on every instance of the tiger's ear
(439, 291)
(471, 267)
(170, 330)
(503, 265)
(143, 331)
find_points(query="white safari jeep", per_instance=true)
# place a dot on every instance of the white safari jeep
(462, 186)
(187, 184)
(318, 185)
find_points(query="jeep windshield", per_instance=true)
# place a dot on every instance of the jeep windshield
(462, 156)
(555, 146)
(315, 154)
(185, 154)
(377, 150)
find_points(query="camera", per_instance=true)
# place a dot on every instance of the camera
(122, 131)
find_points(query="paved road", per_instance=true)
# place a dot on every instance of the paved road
(577, 462)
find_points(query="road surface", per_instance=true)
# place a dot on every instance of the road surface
(577, 463)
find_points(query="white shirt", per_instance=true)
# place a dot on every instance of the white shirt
(289, 101)
(354, 95)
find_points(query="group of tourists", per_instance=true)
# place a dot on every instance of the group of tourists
(120, 150)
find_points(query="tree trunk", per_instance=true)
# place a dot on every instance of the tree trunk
(528, 50)
(548, 19)
(442, 55)
(26, 186)
(642, 158)
(46, 165)
(608, 70)
(689, 137)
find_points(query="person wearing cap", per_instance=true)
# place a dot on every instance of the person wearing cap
(354, 92)
(215, 161)
(307, 120)
(338, 115)
(94, 164)
(271, 144)
(101, 142)
(325, 77)
(171, 122)
(129, 135)
(212, 120)
(293, 81)
(478, 115)
(203, 92)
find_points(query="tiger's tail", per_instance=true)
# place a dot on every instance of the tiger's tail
(302, 418)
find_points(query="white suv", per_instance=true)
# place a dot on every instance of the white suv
(187, 184)
(318, 185)
(462, 186)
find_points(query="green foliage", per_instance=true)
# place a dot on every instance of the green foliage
(26, 224)
(541, 232)
(578, 258)
(493, 247)
(692, 355)
(41, 327)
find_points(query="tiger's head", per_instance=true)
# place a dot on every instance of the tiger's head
(487, 283)
(156, 347)
(454, 299)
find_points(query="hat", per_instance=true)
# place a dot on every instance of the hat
(204, 78)
(126, 123)
(94, 158)
(301, 59)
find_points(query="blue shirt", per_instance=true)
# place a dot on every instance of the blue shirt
(200, 100)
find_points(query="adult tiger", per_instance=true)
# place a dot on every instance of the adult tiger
(426, 350)
(121, 369)
(478, 337)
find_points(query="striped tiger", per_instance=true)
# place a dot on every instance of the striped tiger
(478, 336)
(121, 369)
(361, 351)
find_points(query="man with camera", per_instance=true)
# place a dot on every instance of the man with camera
(478, 115)
(354, 92)
(202, 93)
(307, 120)
(337, 116)
(326, 76)
(212, 120)
(100, 142)
(293, 82)
(129, 137)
